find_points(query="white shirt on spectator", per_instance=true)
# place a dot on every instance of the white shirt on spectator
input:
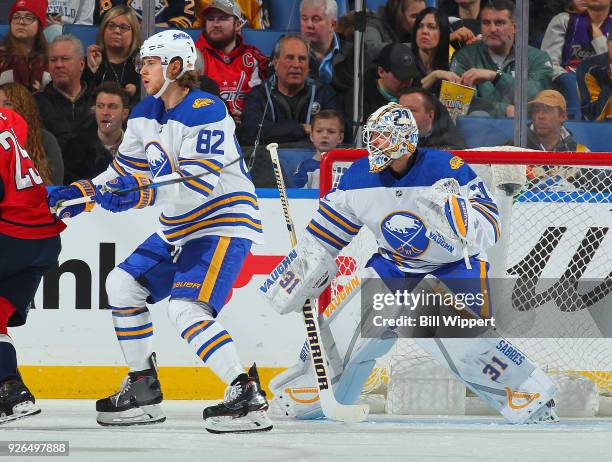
(73, 11)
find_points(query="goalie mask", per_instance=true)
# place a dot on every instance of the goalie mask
(389, 133)
(166, 46)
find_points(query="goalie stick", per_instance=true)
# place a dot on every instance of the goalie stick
(330, 406)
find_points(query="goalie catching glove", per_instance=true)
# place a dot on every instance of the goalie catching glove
(303, 274)
(111, 198)
(449, 213)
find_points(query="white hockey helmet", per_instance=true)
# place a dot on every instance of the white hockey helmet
(168, 45)
(389, 133)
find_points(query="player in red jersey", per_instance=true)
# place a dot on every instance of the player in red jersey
(235, 66)
(30, 245)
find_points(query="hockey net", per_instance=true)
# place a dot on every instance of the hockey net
(555, 211)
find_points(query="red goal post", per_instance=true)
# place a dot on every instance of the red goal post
(579, 215)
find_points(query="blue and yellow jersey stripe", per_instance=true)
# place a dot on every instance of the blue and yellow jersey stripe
(133, 163)
(212, 345)
(488, 204)
(196, 184)
(325, 235)
(195, 329)
(210, 165)
(342, 223)
(118, 168)
(134, 333)
(126, 312)
(218, 221)
(486, 213)
(210, 207)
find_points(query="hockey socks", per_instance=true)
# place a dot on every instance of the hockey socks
(8, 359)
(208, 338)
(134, 331)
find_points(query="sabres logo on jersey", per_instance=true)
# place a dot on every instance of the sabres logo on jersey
(159, 161)
(406, 232)
(201, 102)
(456, 162)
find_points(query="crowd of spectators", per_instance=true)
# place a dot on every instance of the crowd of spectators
(76, 100)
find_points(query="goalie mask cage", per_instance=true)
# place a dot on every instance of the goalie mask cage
(556, 213)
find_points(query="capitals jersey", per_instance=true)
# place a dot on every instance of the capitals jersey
(236, 72)
(24, 212)
(195, 137)
(387, 206)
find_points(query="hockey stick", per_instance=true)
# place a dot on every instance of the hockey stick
(121, 192)
(331, 408)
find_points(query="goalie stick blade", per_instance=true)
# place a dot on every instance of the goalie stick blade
(351, 413)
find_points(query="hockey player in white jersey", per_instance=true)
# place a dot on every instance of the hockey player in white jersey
(431, 215)
(210, 217)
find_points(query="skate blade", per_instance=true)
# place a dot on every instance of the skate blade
(144, 415)
(20, 411)
(256, 421)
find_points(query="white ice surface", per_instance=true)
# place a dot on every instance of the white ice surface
(183, 438)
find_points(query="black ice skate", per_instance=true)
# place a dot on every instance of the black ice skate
(243, 408)
(16, 401)
(136, 403)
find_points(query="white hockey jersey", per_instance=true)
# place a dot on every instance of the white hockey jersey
(387, 206)
(195, 137)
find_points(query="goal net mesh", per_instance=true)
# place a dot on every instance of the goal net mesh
(556, 240)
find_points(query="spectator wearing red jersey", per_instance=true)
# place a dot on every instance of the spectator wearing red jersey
(30, 243)
(234, 65)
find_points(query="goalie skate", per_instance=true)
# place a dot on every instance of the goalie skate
(243, 410)
(16, 401)
(136, 403)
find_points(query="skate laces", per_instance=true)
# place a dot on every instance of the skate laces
(233, 392)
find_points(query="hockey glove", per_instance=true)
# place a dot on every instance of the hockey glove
(111, 198)
(78, 189)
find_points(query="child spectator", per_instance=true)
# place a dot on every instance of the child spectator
(595, 85)
(327, 133)
(23, 52)
(572, 37)
(71, 11)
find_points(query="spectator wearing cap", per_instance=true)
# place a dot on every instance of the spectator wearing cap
(548, 112)
(594, 76)
(281, 109)
(23, 52)
(65, 104)
(436, 129)
(489, 65)
(255, 12)
(235, 66)
(396, 69)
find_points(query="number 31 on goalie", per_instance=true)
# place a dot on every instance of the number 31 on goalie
(288, 281)
(495, 368)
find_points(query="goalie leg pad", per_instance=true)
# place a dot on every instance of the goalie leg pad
(302, 274)
(351, 359)
(500, 374)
